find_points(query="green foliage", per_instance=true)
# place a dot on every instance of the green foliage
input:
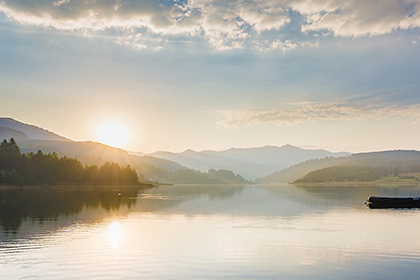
(40, 169)
(191, 176)
(10, 155)
(344, 174)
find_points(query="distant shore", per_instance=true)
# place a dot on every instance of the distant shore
(374, 183)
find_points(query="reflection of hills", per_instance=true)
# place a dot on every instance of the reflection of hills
(166, 198)
(65, 206)
(337, 196)
(43, 204)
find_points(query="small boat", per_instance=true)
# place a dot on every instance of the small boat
(392, 202)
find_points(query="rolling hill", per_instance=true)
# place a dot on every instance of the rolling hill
(401, 159)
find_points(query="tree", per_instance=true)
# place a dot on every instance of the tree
(10, 155)
(40, 169)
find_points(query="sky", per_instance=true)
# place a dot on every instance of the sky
(214, 74)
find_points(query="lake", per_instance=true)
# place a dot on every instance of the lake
(207, 232)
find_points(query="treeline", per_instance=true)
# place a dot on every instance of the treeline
(342, 174)
(38, 168)
(191, 176)
(356, 173)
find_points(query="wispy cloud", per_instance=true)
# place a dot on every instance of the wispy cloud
(224, 24)
(309, 112)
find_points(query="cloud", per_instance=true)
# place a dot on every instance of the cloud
(96, 15)
(308, 112)
(224, 24)
(358, 18)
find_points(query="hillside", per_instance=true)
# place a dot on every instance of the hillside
(7, 133)
(345, 174)
(401, 159)
(31, 131)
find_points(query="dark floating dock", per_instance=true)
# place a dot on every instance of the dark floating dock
(378, 202)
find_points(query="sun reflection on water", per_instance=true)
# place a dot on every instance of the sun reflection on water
(115, 234)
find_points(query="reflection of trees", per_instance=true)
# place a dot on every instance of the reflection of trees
(52, 203)
(213, 191)
(42, 204)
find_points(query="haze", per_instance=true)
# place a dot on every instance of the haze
(210, 74)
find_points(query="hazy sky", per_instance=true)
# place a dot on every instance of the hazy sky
(215, 74)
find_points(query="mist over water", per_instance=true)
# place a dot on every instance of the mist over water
(207, 232)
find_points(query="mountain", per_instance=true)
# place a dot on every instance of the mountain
(401, 159)
(32, 132)
(7, 133)
(251, 163)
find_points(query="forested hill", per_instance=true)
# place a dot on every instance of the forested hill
(347, 174)
(403, 160)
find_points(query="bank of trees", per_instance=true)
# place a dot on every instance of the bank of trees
(342, 174)
(357, 173)
(50, 169)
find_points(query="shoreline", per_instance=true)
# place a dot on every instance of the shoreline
(70, 187)
(375, 183)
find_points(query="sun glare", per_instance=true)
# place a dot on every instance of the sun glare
(115, 233)
(113, 133)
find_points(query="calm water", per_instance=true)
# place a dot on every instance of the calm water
(207, 232)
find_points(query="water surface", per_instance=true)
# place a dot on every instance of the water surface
(207, 232)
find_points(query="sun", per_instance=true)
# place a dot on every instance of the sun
(113, 133)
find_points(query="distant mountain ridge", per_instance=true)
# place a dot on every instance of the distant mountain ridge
(251, 163)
